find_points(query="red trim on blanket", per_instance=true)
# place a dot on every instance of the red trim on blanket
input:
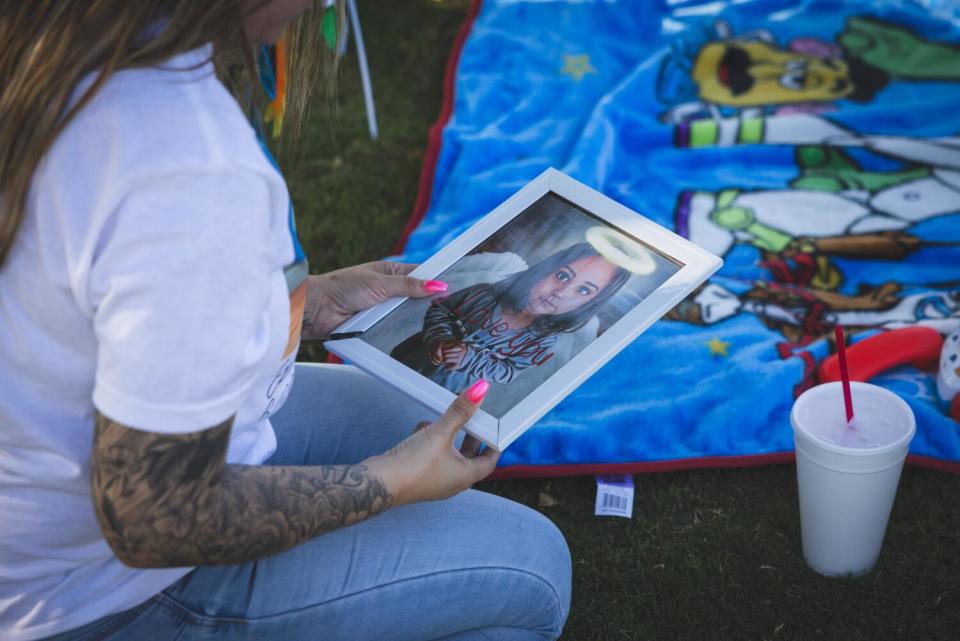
(930, 463)
(639, 467)
(712, 462)
(435, 137)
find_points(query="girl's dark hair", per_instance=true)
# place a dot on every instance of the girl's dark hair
(513, 291)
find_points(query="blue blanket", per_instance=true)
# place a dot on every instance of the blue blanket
(814, 145)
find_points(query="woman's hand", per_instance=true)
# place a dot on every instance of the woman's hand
(334, 297)
(427, 466)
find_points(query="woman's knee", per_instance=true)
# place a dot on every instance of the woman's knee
(536, 551)
(557, 567)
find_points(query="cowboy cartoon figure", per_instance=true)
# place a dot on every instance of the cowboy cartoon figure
(834, 207)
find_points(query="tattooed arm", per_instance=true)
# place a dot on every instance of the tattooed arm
(167, 500)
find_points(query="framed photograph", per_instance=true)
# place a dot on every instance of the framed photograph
(542, 292)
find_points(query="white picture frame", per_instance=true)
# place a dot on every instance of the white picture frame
(692, 265)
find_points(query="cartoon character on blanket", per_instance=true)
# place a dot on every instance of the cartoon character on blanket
(833, 209)
(716, 73)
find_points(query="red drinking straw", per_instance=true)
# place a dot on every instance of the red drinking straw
(844, 375)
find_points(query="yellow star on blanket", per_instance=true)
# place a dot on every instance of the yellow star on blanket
(577, 66)
(717, 347)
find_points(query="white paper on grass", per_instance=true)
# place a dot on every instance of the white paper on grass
(614, 496)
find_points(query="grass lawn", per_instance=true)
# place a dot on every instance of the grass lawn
(709, 554)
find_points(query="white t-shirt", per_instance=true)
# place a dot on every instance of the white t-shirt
(155, 277)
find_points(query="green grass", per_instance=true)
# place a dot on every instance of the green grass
(709, 554)
(716, 555)
(353, 196)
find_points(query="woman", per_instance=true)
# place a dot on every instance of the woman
(151, 296)
(495, 332)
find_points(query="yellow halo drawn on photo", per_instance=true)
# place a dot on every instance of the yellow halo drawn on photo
(621, 251)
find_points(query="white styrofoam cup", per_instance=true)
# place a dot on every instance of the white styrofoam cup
(847, 476)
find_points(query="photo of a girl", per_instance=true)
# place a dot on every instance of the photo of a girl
(496, 331)
(523, 303)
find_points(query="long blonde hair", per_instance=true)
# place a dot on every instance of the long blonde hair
(48, 46)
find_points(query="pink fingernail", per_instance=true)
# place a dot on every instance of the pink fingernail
(477, 391)
(434, 286)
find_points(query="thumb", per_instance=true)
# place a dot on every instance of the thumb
(462, 409)
(412, 287)
(391, 267)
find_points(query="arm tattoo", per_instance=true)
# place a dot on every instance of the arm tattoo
(165, 500)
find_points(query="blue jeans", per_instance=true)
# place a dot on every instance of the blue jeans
(473, 567)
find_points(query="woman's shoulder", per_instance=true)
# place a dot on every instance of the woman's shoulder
(157, 121)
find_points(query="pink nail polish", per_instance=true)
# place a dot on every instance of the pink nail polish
(477, 391)
(434, 286)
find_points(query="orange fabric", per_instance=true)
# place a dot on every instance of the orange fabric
(278, 105)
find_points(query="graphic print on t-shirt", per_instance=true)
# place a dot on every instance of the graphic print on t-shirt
(296, 276)
(297, 271)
